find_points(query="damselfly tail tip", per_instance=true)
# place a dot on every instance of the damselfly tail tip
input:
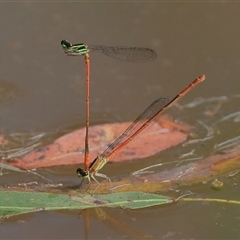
(202, 77)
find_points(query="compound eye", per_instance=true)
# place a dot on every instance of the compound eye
(81, 173)
(66, 44)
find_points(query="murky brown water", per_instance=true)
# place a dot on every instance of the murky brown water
(42, 91)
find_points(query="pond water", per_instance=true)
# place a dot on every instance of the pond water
(42, 91)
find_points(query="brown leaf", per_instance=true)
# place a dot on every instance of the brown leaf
(69, 149)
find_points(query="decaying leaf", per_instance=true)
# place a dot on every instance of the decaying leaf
(69, 149)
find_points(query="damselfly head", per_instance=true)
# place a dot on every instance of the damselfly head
(82, 173)
(74, 49)
(65, 44)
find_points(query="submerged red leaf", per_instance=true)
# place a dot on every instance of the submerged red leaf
(69, 149)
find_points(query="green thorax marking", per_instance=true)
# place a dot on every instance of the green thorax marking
(75, 49)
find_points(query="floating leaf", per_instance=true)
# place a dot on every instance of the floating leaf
(15, 203)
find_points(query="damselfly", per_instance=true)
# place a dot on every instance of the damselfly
(127, 54)
(149, 116)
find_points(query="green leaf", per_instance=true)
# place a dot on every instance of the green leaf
(15, 203)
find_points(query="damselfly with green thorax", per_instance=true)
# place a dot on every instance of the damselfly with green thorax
(149, 116)
(127, 54)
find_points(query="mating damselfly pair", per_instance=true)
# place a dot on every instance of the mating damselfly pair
(150, 115)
